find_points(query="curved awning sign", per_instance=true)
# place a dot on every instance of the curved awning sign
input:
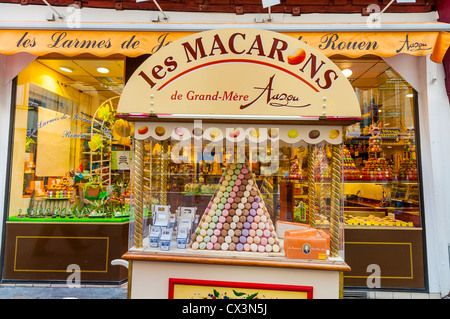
(238, 73)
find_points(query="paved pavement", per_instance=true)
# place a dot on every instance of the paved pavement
(62, 292)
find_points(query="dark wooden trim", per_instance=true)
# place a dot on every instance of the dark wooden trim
(40, 251)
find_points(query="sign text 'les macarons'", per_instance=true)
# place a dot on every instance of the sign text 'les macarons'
(240, 72)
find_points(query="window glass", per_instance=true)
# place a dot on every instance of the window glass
(71, 156)
(380, 155)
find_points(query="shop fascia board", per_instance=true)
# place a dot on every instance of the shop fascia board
(39, 13)
(181, 27)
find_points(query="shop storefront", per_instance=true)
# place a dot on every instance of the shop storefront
(73, 190)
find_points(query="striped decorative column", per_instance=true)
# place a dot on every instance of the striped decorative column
(335, 206)
(138, 193)
(311, 187)
(164, 171)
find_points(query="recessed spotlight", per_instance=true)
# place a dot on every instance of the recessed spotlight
(65, 69)
(347, 72)
(102, 70)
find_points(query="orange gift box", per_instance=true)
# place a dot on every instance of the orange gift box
(307, 243)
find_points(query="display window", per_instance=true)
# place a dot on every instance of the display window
(379, 155)
(71, 155)
(229, 189)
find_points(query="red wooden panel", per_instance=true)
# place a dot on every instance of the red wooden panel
(308, 2)
(364, 2)
(246, 2)
(248, 6)
(219, 2)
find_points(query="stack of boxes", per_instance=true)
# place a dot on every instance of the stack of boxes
(185, 222)
(165, 224)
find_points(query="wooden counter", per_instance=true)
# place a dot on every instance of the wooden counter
(237, 261)
(154, 275)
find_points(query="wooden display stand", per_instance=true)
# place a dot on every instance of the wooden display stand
(152, 274)
(157, 100)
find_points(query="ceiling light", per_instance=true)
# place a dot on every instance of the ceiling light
(102, 70)
(409, 95)
(65, 69)
(347, 72)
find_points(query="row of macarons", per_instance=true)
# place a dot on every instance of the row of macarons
(240, 240)
(215, 133)
(237, 247)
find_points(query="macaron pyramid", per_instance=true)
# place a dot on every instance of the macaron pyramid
(236, 218)
(350, 170)
(321, 167)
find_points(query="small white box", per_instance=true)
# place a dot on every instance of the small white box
(162, 219)
(154, 235)
(156, 209)
(165, 239)
(172, 221)
(182, 237)
(186, 215)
